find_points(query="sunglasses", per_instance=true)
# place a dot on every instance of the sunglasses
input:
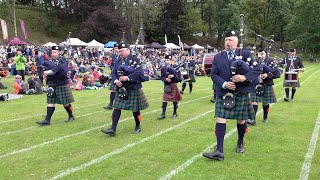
(18, 78)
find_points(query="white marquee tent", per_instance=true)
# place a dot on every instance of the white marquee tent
(49, 44)
(95, 44)
(196, 46)
(171, 46)
(74, 42)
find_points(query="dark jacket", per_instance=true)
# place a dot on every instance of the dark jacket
(221, 72)
(136, 76)
(271, 70)
(166, 71)
(60, 70)
(296, 62)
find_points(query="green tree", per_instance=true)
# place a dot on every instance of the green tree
(303, 30)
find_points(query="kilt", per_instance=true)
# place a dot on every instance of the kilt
(174, 95)
(113, 87)
(136, 101)
(62, 95)
(268, 95)
(243, 109)
(291, 84)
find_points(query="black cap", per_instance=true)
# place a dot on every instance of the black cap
(123, 45)
(230, 33)
(292, 50)
(55, 48)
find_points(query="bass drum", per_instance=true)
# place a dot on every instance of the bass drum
(207, 63)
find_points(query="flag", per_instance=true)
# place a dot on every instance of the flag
(180, 43)
(23, 28)
(4, 29)
(165, 38)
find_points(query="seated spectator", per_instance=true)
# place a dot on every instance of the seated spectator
(35, 85)
(1, 85)
(19, 86)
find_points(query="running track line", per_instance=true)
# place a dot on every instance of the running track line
(306, 166)
(124, 148)
(82, 132)
(194, 158)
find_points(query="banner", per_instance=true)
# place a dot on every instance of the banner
(23, 28)
(4, 29)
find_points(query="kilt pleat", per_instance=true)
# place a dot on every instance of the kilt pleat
(62, 95)
(136, 101)
(174, 95)
(112, 87)
(243, 109)
(267, 97)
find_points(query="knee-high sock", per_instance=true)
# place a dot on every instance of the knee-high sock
(50, 111)
(255, 108)
(184, 86)
(287, 92)
(115, 118)
(190, 86)
(175, 107)
(112, 95)
(265, 111)
(220, 132)
(241, 131)
(69, 109)
(164, 108)
(137, 118)
(293, 92)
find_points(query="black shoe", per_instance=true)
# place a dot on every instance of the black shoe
(240, 148)
(286, 99)
(136, 131)
(162, 116)
(216, 155)
(181, 92)
(70, 119)
(174, 116)
(3, 87)
(265, 120)
(251, 122)
(212, 100)
(43, 123)
(109, 131)
(292, 98)
(190, 92)
(107, 107)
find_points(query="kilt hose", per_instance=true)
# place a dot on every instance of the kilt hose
(291, 84)
(113, 87)
(62, 95)
(174, 95)
(267, 97)
(243, 109)
(136, 101)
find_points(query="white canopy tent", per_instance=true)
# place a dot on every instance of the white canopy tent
(171, 46)
(196, 46)
(95, 44)
(74, 42)
(49, 44)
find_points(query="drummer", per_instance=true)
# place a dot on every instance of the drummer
(292, 63)
(189, 65)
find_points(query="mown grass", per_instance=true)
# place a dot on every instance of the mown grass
(275, 150)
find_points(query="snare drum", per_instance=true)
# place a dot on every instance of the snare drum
(291, 77)
(185, 75)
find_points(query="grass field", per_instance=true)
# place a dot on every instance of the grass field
(164, 149)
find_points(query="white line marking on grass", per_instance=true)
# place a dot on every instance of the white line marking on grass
(18, 131)
(83, 132)
(117, 151)
(194, 158)
(306, 166)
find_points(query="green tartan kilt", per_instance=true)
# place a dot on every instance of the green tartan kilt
(113, 87)
(291, 84)
(62, 95)
(136, 101)
(267, 97)
(243, 109)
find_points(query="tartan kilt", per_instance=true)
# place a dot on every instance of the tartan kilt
(136, 101)
(113, 87)
(62, 95)
(291, 84)
(174, 95)
(243, 109)
(268, 95)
